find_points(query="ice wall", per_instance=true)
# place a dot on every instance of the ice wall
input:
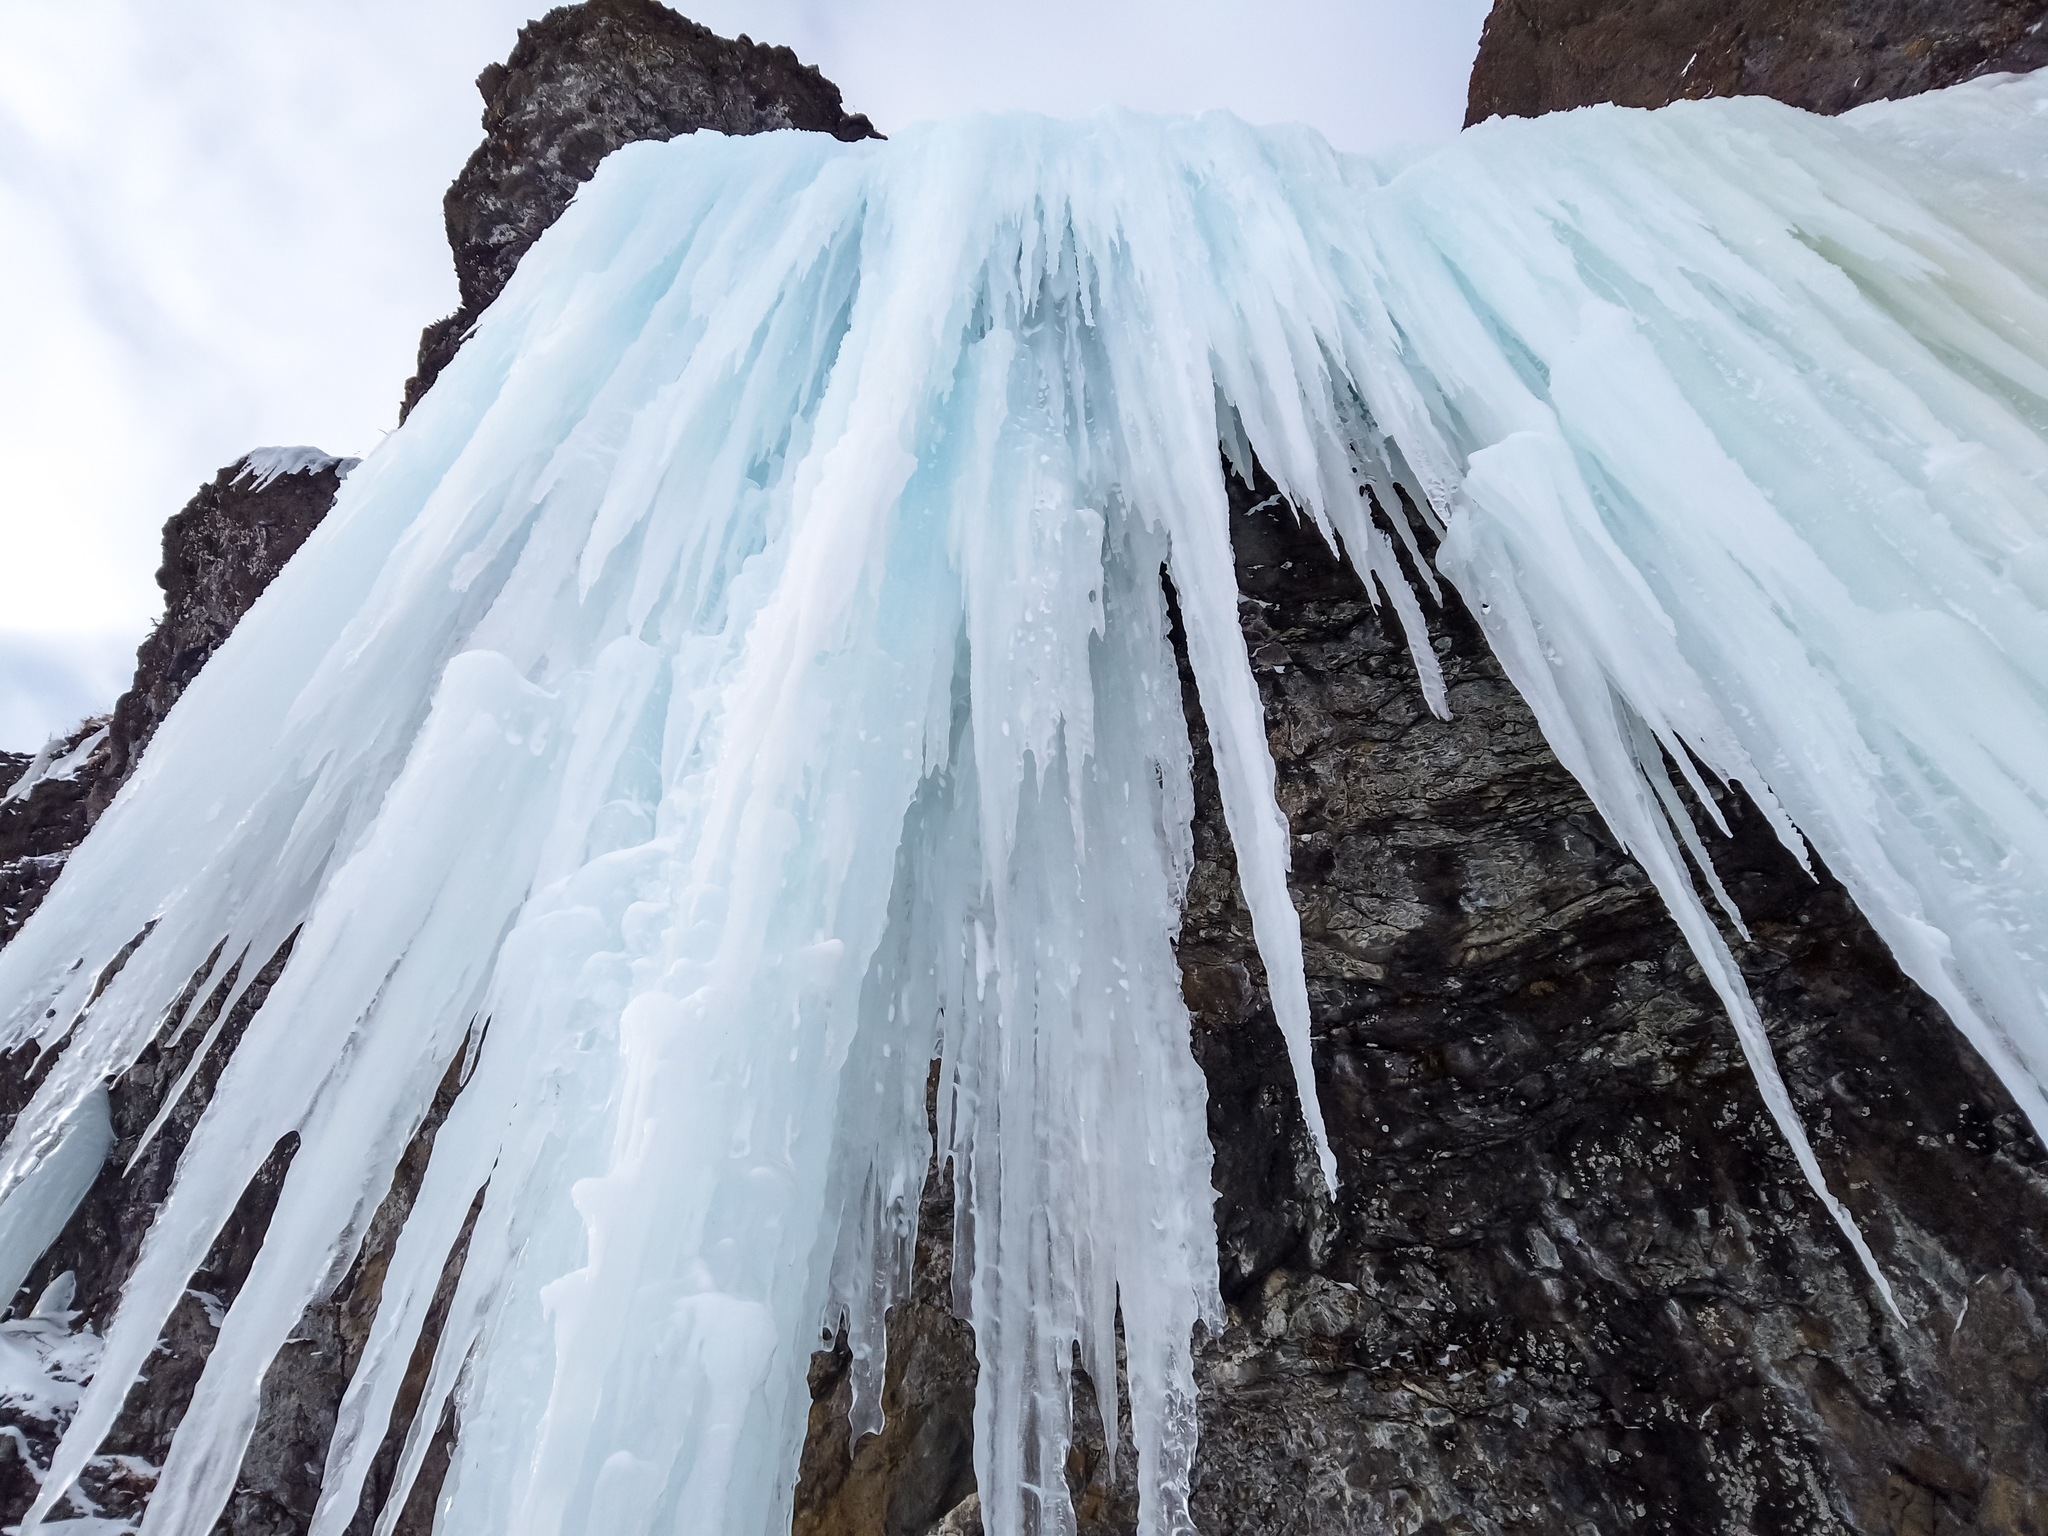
(746, 679)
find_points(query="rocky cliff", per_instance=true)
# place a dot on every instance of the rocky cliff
(1539, 56)
(43, 817)
(227, 545)
(583, 80)
(1572, 1282)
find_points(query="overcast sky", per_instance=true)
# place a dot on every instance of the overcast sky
(220, 223)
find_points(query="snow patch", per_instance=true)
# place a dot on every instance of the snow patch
(45, 1366)
(263, 465)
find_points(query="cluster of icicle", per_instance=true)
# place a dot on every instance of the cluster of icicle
(747, 680)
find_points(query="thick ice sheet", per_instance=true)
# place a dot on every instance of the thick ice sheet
(745, 679)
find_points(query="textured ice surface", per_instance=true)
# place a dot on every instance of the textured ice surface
(746, 679)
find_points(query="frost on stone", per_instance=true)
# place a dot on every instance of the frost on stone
(746, 680)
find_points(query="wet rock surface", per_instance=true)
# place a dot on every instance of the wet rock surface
(1539, 56)
(583, 80)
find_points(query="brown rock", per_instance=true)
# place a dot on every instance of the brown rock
(904, 1480)
(1538, 56)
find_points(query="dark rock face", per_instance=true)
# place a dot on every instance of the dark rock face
(904, 1480)
(220, 553)
(279, 1483)
(1572, 1279)
(1539, 56)
(583, 80)
(39, 829)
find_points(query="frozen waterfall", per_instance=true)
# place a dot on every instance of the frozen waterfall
(747, 680)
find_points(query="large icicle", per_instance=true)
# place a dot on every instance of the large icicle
(746, 680)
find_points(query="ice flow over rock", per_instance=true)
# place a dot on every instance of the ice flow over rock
(747, 680)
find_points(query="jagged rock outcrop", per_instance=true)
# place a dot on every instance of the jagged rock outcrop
(583, 80)
(43, 816)
(220, 552)
(1539, 56)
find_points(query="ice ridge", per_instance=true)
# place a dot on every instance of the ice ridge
(746, 679)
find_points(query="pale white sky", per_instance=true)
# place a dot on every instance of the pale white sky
(220, 223)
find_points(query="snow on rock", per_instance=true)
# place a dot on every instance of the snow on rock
(260, 466)
(60, 758)
(43, 1364)
(746, 680)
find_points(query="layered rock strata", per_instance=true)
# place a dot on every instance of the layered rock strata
(1538, 56)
